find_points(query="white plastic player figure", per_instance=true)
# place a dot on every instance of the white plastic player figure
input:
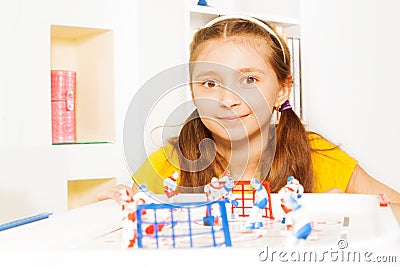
(301, 226)
(129, 208)
(295, 217)
(129, 226)
(219, 189)
(213, 190)
(227, 182)
(170, 187)
(292, 190)
(260, 202)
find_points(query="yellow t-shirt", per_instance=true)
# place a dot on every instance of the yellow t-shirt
(332, 166)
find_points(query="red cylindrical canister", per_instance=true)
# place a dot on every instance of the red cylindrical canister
(63, 87)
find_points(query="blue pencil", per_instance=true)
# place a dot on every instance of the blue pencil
(23, 221)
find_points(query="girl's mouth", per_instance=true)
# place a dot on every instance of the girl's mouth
(233, 118)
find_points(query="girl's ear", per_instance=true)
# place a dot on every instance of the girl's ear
(284, 92)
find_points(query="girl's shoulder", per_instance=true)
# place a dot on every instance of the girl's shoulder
(318, 142)
(162, 153)
(332, 166)
(323, 147)
(165, 160)
(160, 164)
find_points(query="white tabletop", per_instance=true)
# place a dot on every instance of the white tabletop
(86, 232)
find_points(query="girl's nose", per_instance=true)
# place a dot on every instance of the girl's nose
(228, 98)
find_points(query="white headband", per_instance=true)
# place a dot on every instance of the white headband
(251, 19)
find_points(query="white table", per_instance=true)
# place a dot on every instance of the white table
(82, 233)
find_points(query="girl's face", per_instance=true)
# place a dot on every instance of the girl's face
(235, 89)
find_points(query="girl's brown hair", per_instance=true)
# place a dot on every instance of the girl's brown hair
(293, 153)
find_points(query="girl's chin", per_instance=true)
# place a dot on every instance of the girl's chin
(234, 136)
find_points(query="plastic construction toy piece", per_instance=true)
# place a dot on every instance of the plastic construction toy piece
(182, 225)
(170, 187)
(260, 202)
(383, 200)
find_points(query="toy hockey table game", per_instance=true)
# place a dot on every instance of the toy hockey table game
(352, 219)
(357, 219)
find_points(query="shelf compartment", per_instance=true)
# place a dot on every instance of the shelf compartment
(90, 53)
(84, 191)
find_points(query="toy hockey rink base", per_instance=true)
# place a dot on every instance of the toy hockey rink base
(358, 219)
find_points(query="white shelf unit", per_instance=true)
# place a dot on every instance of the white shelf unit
(90, 53)
(97, 39)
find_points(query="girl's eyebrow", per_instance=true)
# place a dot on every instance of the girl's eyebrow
(247, 70)
(206, 74)
(216, 73)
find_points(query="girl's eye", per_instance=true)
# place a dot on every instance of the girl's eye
(249, 81)
(210, 84)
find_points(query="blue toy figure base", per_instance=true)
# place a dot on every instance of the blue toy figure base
(304, 232)
(209, 220)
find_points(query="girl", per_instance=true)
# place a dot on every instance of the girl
(240, 73)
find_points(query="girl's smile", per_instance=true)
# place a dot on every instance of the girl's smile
(230, 121)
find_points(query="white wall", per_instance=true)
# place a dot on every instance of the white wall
(350, 52)
(274, 10)
(161, 46)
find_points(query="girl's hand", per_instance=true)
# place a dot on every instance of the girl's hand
(114, 193)
(334, 190)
